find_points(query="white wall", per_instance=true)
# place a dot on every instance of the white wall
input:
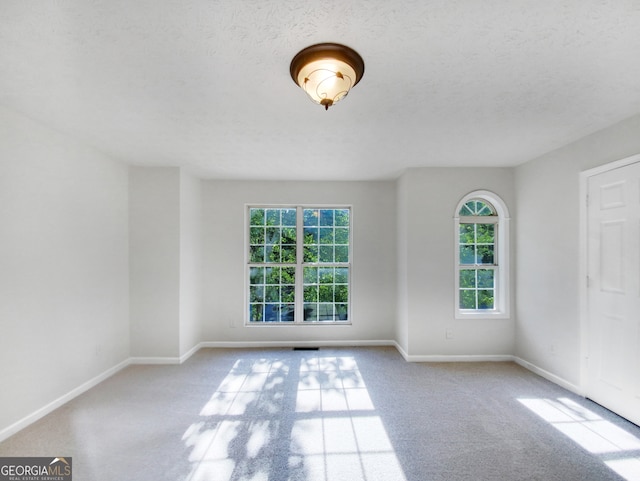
(63, 266)
(428, 199)
(402, 296)
(190, 262)
(154, 232)
(374, 258)
(548, 305)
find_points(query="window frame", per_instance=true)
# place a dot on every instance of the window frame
(500, 266)
(299, 265)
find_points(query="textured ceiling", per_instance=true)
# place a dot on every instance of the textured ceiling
(205, 84)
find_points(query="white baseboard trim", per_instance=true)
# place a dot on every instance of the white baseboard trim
(190, 352)
(402, 352)
(460, 358)
(292, 344)
(154, 360)
(52, 406)
(549, 376)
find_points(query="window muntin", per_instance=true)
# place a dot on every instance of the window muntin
(481, 256)
(299, 265)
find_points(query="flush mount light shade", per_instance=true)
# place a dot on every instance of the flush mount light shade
(327, 71)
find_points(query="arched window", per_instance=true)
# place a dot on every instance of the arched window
(482, 256)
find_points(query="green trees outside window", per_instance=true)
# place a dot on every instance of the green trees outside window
(285, 286)
(477, 255)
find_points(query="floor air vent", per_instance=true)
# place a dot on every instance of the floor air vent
(306, 348)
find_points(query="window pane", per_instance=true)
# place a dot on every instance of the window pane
(310, 312)
(256, 312)
(467, 233)
(342, 311)
(326, 254)
(311, 217)
(287, 312)
(256, 275)
(256, 235)
(272, 275)
(326, 293)
(289, 217)
(267, 244)
(288, 275)
(326, 235)
(272, 293)
(273, 216)
(288, 294)
(467, 299)
(477, 208)
(485, 254)
(288, 255)
(325, 312)
(256, 294)
(326, 217)
(326, 275)
(310, 275)
(341, 235)
(271, 313)
(485, 278)
(485, 299)
(341, 294)
(342, 254)
(465, 210)
(310, 254)
(272, 235)
(257, 216)
(289, 235)
(272, 253)
(467, 254)
(342, 217)
(468, 278)
(311, 235)
(256, 254)
(341, 275)
(485, 233)
(311, 293)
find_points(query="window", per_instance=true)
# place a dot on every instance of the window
(481, 230)
(298, 264)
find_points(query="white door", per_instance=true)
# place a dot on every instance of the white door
(613, 292)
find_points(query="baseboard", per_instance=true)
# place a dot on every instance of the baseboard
(154, 360)
(190, 352)
(269, 344)
(460, 358)
(52, 406)
(549, 376)
(402, 352)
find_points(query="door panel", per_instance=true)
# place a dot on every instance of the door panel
(613, 294)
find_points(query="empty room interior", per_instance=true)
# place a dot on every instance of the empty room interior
(217, 265)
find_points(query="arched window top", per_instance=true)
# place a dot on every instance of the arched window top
(477, 207)
(474, 203)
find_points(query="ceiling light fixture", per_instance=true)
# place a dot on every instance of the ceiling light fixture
(326, 72)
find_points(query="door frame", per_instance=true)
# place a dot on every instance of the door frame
(584, 261)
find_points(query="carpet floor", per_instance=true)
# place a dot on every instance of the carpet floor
(353, 414)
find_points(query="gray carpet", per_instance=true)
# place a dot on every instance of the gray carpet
(331, 415)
